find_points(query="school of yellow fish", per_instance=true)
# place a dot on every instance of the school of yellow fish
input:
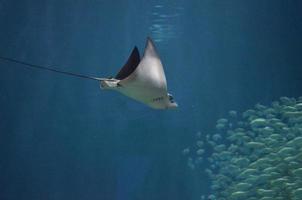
(256, 155)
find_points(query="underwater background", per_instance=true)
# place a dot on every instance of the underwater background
(63, 138)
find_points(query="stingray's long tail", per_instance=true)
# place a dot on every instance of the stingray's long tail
(29, 65)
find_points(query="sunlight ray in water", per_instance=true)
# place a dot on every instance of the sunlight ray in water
(165, 20)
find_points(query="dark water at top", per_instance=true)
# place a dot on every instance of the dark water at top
(63, 138)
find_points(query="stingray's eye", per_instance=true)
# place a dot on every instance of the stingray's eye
(171, 98)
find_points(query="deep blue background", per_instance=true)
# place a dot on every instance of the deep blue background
(63, 138)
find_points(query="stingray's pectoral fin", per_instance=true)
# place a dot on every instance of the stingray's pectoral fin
(130, 65)
(111, 83)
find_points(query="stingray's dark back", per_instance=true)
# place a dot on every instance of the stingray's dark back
(130, 65)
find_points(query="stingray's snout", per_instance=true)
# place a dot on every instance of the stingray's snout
(172, 103)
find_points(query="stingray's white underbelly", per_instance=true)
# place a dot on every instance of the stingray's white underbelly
(141, 91)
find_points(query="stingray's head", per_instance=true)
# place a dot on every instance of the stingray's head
(171, 104)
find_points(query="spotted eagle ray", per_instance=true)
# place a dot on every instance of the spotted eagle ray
(142, 79)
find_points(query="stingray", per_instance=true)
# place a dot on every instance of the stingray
(142, 79)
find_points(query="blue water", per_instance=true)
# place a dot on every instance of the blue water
(63, 138)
